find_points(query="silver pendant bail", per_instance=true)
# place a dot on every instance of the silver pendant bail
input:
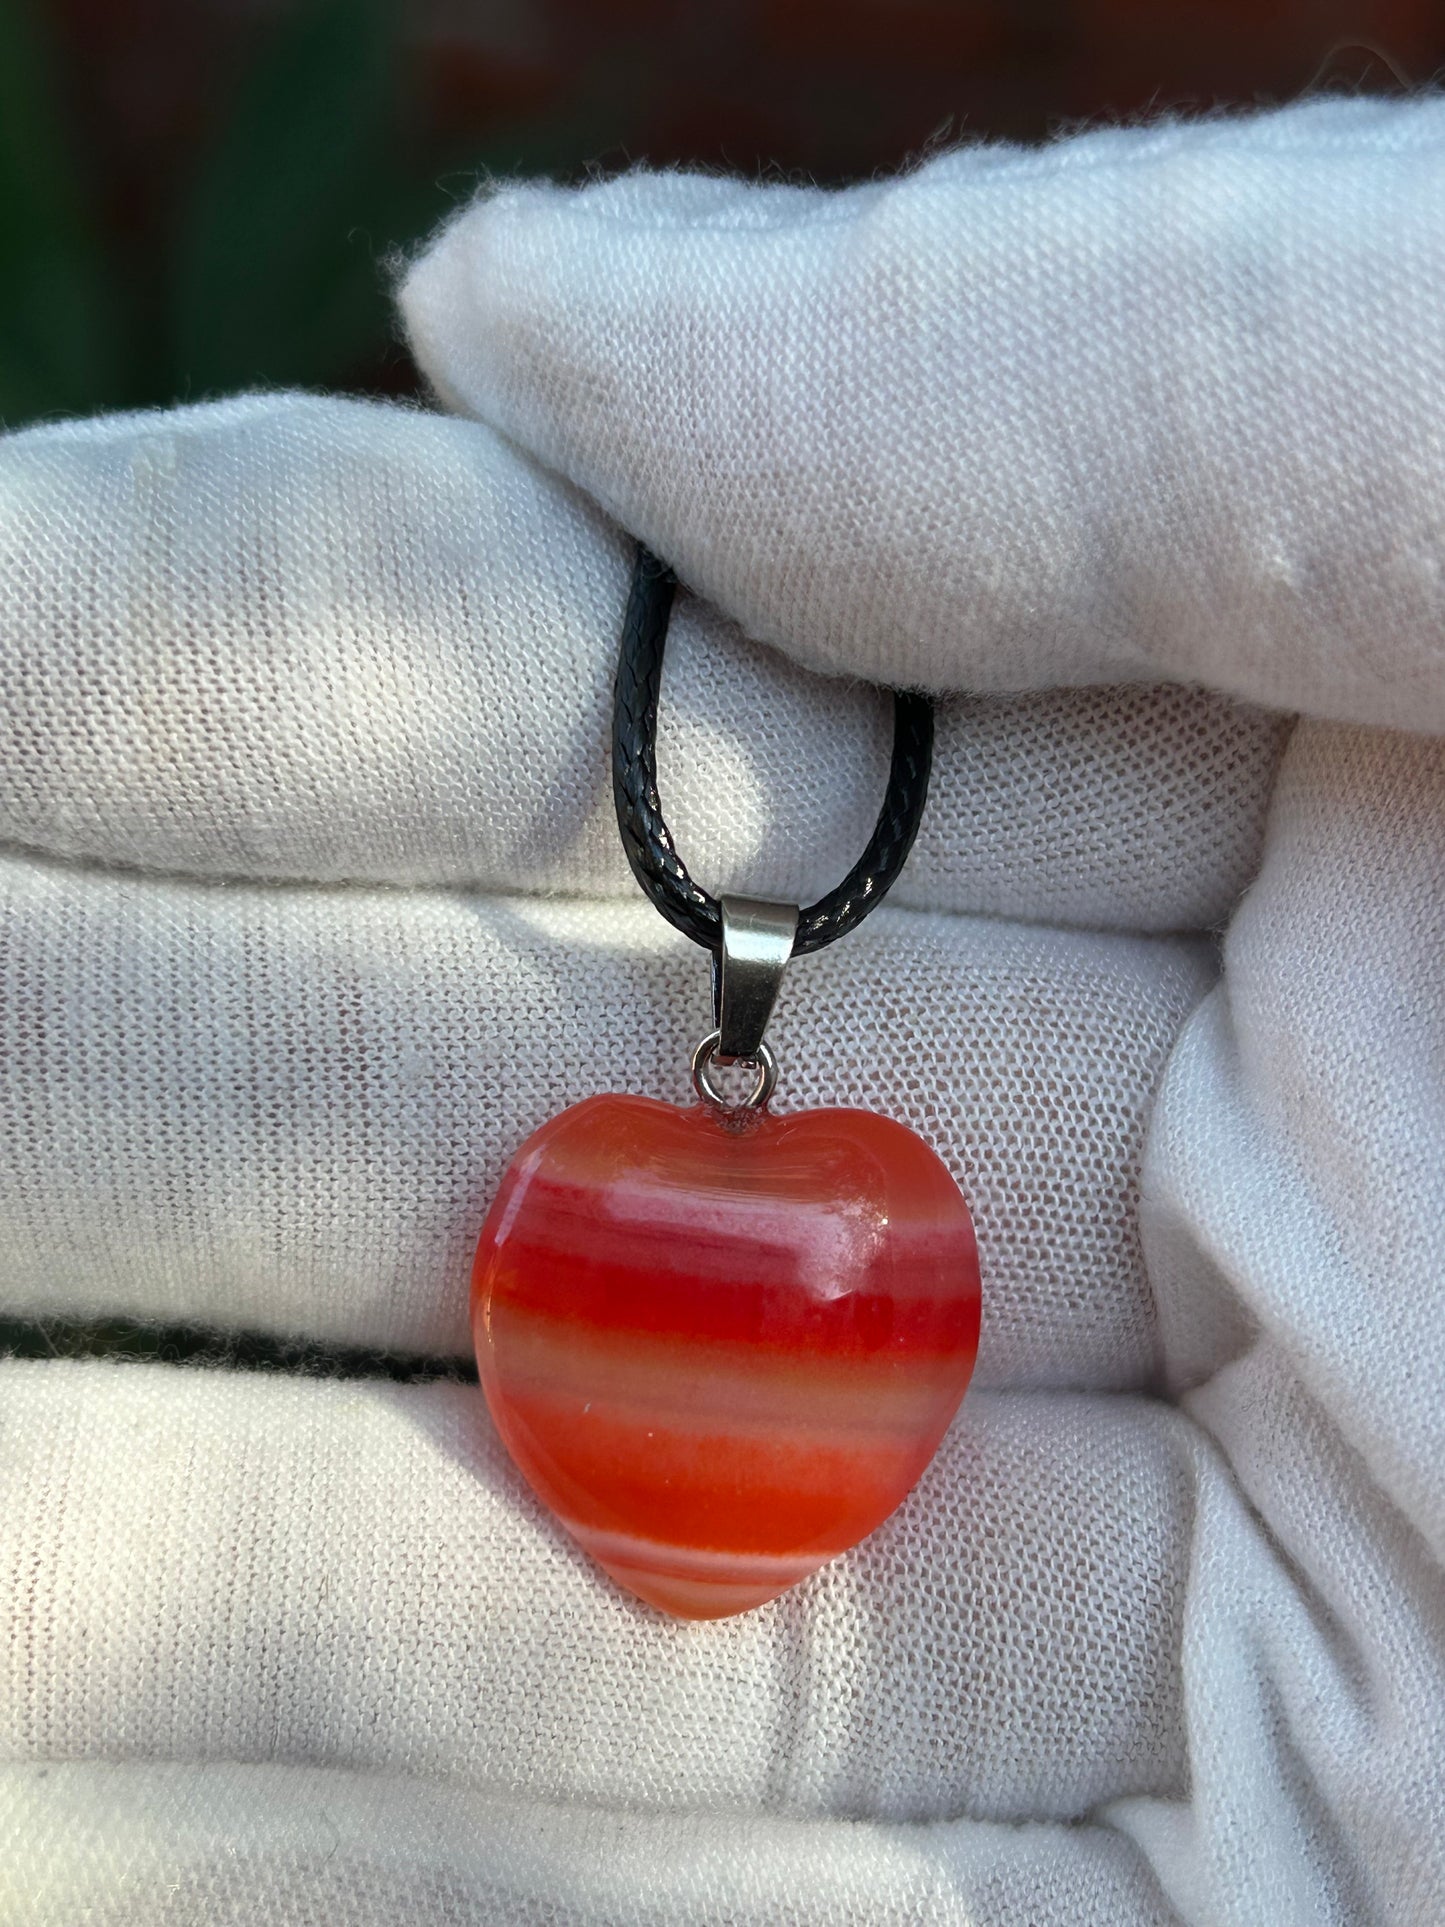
(747, 968)
(757, 941)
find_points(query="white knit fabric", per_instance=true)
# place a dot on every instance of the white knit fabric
(327, 642)
(316, 1093)
(302, 749)
(1152, 402)
(111, 1844)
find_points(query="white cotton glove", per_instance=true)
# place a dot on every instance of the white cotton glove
(311, 907)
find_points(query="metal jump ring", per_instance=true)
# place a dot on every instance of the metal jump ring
(763, 1085)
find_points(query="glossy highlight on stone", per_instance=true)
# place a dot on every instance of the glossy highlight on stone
(723, 1349)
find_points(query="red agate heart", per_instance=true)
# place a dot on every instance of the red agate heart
(723, 1348)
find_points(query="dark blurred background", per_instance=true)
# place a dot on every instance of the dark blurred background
(200, 195)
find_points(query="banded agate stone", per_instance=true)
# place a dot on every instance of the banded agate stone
(723, 1348)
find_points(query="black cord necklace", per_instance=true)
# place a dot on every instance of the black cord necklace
(646, 837)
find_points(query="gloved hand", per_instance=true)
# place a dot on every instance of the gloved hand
(311, 907)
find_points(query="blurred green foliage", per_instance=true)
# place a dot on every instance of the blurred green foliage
(275, 270)
(269, 265)
(57, 339)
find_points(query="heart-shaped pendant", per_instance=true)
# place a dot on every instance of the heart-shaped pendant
(722, 1347)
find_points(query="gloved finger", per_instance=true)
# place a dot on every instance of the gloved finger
(301, 639)
(1152, 401)
(1296, 1147)
(1292, 1222)
(288, 1109)
(353, 1575)
(246, 1841)
(1313, 1675)
(1077, 1612)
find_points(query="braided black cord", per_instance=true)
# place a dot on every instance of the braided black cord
(646, 837)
